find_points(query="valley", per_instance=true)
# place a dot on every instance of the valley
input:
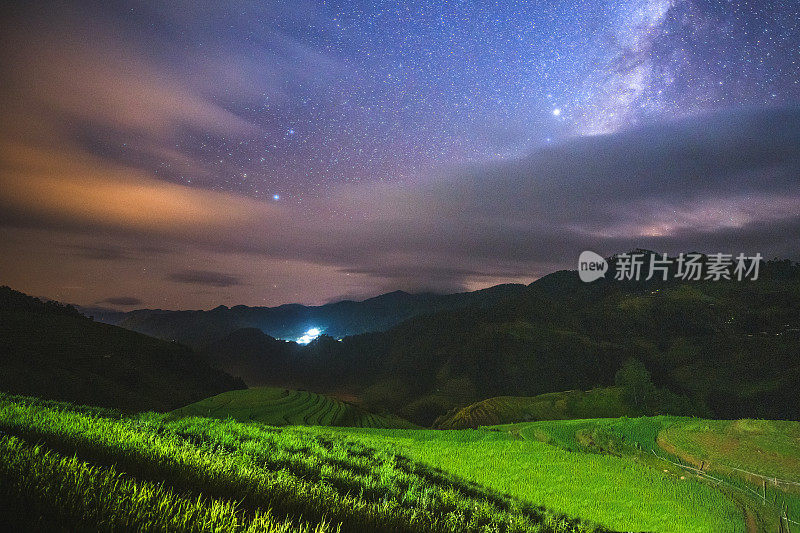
(563, 407)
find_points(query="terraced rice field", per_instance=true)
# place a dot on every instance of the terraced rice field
(760, 458)
(281, 407)
(596, 403)
(67, 470)
(617, 491)
(79, 467)
(755, 463)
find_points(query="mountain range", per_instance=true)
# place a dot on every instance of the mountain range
(728, 349)
(291, 321)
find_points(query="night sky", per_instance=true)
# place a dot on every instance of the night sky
(191, 154)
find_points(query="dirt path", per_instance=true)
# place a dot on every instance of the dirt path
(750, 521)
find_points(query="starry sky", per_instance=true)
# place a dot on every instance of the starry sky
(189, 154)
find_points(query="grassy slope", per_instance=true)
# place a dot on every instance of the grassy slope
(768, 446)
(596, 403)
(200, 474)
(281, 407)
(618, 492)
(745, 454)
(601, 470)
(42, 490)
(680, 446)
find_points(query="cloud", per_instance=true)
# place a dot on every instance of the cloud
(109, 251)
(61, 188)
(205, 277)
(721, 180)
(124, 301)
(100, 252)
(87, 77)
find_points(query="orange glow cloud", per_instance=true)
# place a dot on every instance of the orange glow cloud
(75, 188)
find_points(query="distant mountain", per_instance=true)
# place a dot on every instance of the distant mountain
(200, 328)
(730, 348)
(52, 351)
(253, 356)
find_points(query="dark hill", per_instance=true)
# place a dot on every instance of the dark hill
(52, 351)
(728, 348)
(253, 356)
(340, 319)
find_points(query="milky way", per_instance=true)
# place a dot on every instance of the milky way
(348, 91)
(196, 153)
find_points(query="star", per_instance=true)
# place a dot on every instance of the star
(319, 108)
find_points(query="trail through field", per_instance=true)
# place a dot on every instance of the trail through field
(750, 521)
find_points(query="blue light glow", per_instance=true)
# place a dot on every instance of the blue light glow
(309, 336)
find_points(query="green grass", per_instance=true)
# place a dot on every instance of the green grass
(43, 490)
(596, 403)
(205, 474)
(736, 457)
(75, 466)
(61, 406)
(616, 491)
(760, 458)
(281, 407)
(768, 447)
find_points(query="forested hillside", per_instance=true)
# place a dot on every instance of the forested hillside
(705, 342)
(52, 351)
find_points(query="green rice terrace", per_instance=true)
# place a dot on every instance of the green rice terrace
(71, 467)
(281, 407)
(604, 402)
